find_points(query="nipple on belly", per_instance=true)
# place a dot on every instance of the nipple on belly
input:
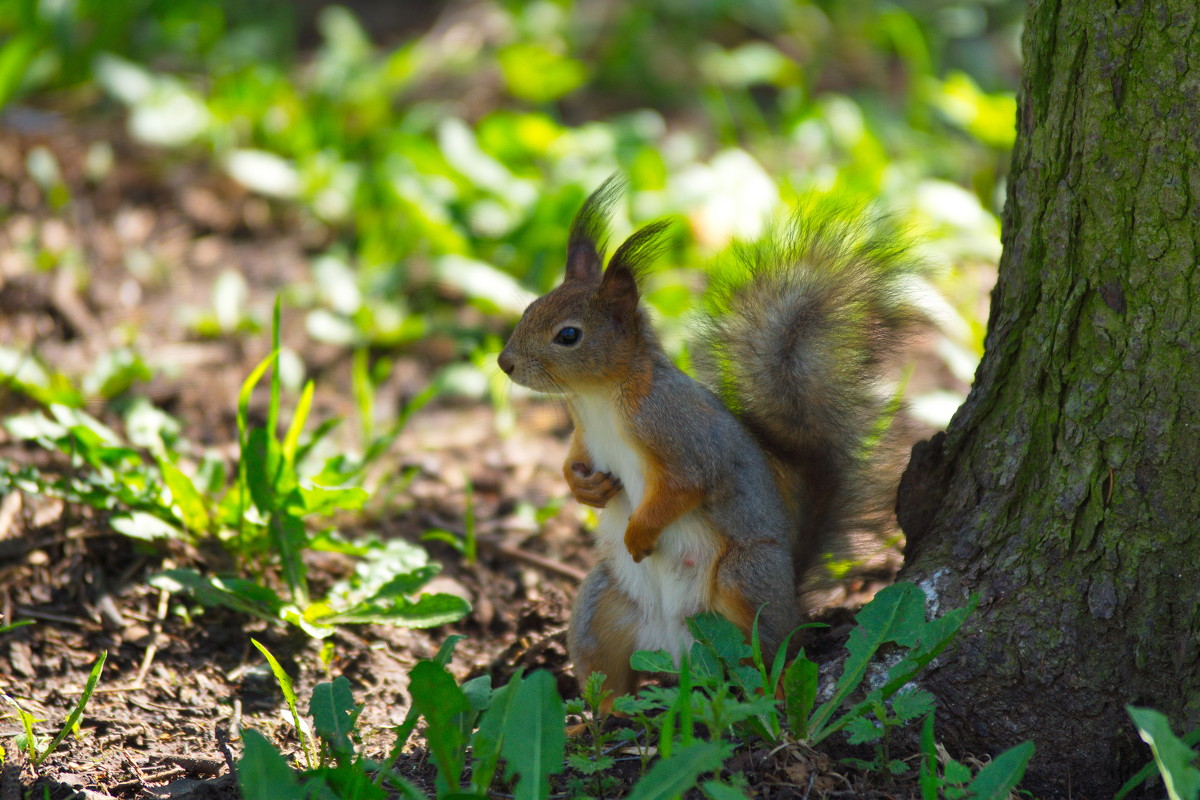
(689, 560)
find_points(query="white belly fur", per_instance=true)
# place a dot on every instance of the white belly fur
(671, 584)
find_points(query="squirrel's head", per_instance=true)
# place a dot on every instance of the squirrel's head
(587, 331)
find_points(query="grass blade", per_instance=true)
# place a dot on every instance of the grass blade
(273, 406)
(289, 695)
(292, 438)
(77, 711)
(243, 407)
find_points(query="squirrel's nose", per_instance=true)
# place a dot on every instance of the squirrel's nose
(506, 362)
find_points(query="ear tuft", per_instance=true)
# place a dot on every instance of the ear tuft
(620, 283)
(585, 248)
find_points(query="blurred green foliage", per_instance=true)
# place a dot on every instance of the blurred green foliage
(446, 146)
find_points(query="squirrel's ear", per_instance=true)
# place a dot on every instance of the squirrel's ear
(619, 289)
(619, 285)
(585, 248)
(583, 261)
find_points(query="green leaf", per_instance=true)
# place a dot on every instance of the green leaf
(997, 779)
(77, 711)
(588, 764)
(333, 711)
(634, 705)
(478, 691)
(289, 538)
(1173, 757)
(25, 373)
(273, 405)
(35, 426)
(191, 509)
(239, 594)
(446, 537)
(488, 739)
(446, 651)
(247, 389)
(363, 391)
(429, 611)
(90, 431)
(15, 55)
(861, 730)
(405, 583)
(437, 697)
(725, 638)
(28, 741)
(145, 526)
(908, 704)
(537, 74)
(292, 438)
(263, 774)
(800, 691)
(957, 773)
(897, 615)
(346, 780)
(1190, 739)
(535, 736)
(653, 661)
(289, 695)
(319, 500)
(268, 476)
(674, 775)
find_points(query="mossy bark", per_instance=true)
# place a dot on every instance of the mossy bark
(1066, 488)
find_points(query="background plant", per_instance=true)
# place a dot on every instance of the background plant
(1174, 758)
(259, 518)
(38, 748)
(994, 781)
(432, 183)
(431, 203)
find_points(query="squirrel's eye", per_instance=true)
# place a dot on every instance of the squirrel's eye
(567, 336)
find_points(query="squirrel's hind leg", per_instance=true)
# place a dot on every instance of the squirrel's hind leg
(603, 633)
(746, 579)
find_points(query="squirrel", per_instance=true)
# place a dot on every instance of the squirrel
(724, 498)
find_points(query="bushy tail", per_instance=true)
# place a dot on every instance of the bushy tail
(799, 330)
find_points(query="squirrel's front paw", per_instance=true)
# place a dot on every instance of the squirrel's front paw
(591, 487)
(638, 546)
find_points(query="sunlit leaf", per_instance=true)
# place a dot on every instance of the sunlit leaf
(191, 507)
(539, 75)
(141, 525)
(263, 172)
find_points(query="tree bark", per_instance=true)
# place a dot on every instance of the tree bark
(1065, 490)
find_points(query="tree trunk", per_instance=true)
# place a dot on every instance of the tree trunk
(1065, 491)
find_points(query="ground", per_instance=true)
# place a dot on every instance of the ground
(150, 240)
